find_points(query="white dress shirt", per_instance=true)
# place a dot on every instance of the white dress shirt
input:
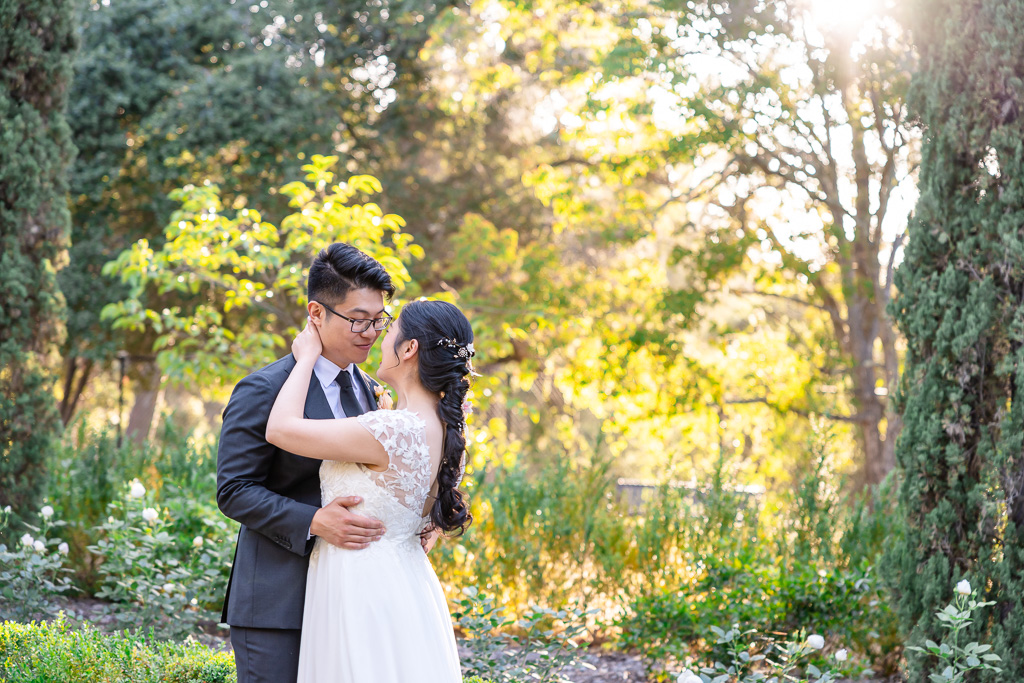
(327, 372)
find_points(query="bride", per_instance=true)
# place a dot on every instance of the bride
(379, 614)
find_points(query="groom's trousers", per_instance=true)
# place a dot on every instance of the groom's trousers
(266, 655)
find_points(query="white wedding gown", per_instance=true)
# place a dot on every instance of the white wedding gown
(378, 615)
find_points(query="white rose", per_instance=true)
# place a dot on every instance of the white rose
(841, 655)
(689, 677)
(168, 587)
(46, 512)
(63, 548)
(150, 514)
(197, 541)
(137, 490)
(27, 540)
(39, 546)
(815, 641)
(964, 587)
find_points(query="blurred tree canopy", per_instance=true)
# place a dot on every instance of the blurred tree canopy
(234, 94)
(668, 223)
(238, 282)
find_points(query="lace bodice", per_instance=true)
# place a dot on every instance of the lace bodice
(397, 495)
(403, 435)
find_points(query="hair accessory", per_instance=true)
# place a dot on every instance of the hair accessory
(463, 351)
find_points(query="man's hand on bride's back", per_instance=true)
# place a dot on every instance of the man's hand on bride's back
(338, 526)
(307, 343)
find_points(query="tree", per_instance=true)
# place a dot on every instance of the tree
(241, 95)
(762, 138)
(240, 281)
(36, 47)
(961, 308)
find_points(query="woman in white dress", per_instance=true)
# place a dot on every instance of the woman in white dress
(378, 615)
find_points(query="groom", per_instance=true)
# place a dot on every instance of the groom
(275, 495)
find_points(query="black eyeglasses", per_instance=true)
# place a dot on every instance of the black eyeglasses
(362, 325)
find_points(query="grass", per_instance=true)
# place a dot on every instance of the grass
(54, 651)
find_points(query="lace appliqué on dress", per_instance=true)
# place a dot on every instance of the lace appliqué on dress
(403, 435)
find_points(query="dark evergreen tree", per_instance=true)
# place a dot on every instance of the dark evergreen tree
(961, 307)
(36, 45)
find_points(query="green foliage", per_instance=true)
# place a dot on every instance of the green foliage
(55, 652)
(663, 626)
(960, 454)
(752, 659)
(539, 646)
(664, 570)
(241, 280)
(162, 583)
(119, 555)
(556, 529)
(32, 572)
(240, 95)
(959, 659)
(38, 41)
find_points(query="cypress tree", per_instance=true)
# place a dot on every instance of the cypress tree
(36, 46)
(961, 307)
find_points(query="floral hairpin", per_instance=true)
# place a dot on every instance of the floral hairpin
(463, 351)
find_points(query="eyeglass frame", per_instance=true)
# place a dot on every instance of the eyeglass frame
(387, 320)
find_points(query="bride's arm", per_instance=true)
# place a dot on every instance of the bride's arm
(343, 440)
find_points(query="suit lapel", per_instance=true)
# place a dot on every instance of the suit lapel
(317, 407)
(364, 380)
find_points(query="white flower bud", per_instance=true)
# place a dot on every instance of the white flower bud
(63, 548)
(39, 546)
(7, 509)
(150, 514)
(841, 655)
(46, 512)
(197, 542)
(27, 540)
(815, 642)
(964, 587)
(137, 490)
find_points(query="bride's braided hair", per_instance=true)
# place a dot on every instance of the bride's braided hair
(445, 348)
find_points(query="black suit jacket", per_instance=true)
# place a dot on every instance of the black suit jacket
(274, 495)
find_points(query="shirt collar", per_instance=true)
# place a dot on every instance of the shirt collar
(326, 371)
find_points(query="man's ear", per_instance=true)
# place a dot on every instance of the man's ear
(317, 312)
(412, 348)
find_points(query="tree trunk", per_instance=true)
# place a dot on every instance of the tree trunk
(146, 379)
(76, 376)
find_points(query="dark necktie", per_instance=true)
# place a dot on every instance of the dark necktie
(349, 403)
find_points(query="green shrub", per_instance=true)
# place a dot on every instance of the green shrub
(536, 647)
(171, 582)
(551, 537)
(32, 571)
(55, 652)
(89, 472)
(173, 570)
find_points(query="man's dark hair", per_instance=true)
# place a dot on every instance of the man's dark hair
(340, 268)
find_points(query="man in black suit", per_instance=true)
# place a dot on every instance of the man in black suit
(275, 495)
